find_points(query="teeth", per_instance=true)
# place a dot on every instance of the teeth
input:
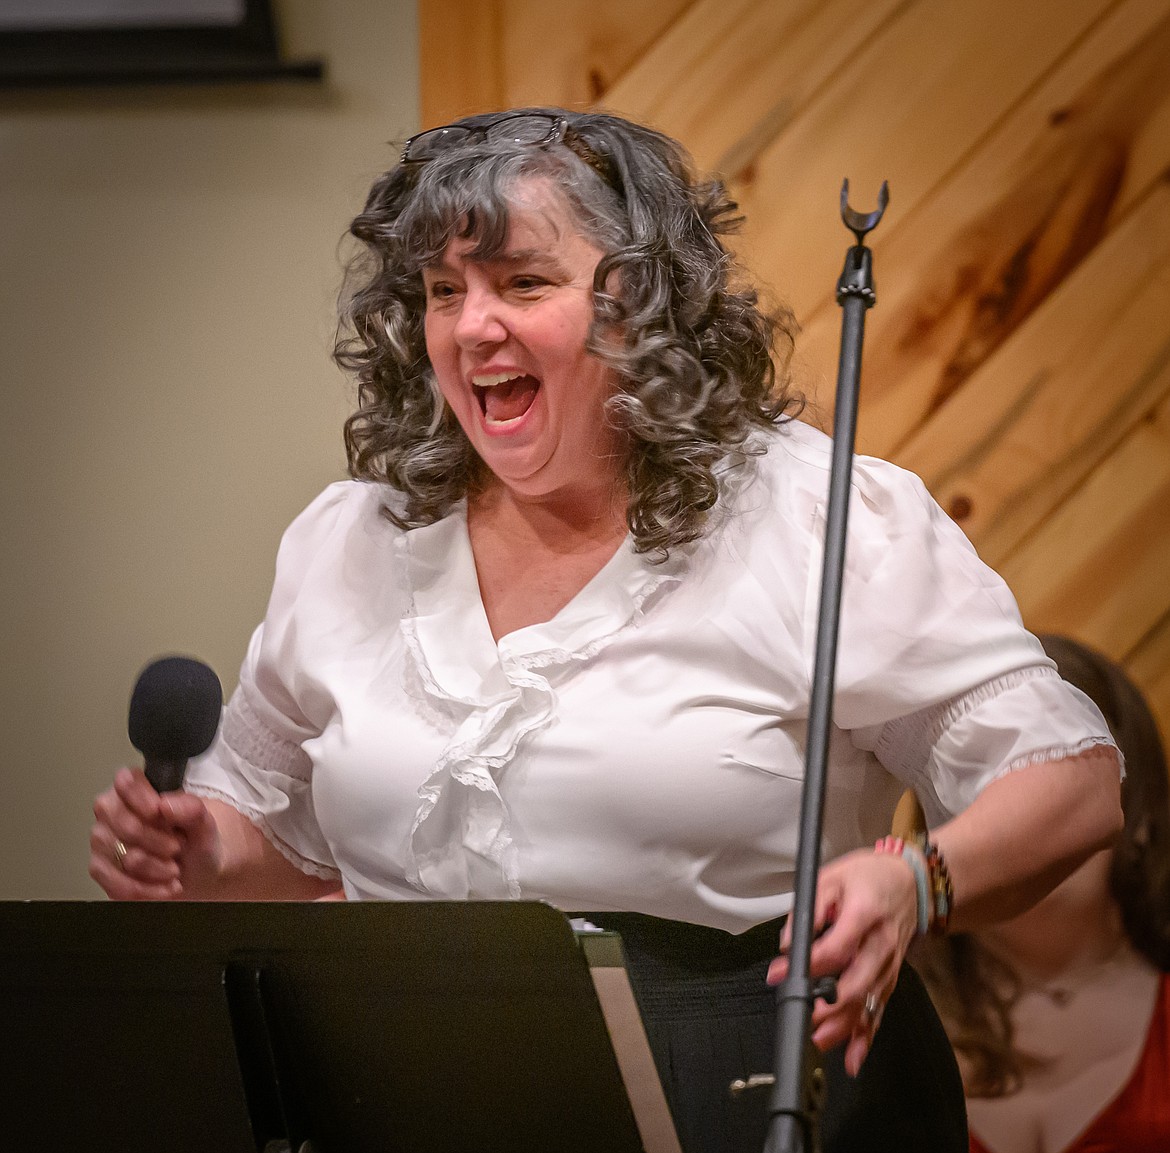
(491, 379)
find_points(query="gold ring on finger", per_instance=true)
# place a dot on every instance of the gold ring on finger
(120, 852)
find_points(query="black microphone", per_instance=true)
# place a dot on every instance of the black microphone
(174, 714)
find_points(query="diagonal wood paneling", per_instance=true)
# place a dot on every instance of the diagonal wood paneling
(461, 68)
(1002, 231)
(1019, 356)
(924, 92)
(479, 55)
(1091, 362)
(571, 52)
(1109, 586)
(729, 75)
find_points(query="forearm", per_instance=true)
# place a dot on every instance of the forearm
(1026, 832)
(248, 867)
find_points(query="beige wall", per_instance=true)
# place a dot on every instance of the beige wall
(168, 268)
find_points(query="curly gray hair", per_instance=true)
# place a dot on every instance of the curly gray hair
(695, 362)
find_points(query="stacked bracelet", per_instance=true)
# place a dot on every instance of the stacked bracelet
(941, 889)
(932, 880)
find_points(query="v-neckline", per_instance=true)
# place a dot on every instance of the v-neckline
(451, 626)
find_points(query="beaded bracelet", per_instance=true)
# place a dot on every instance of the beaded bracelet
(941, 888)
(932, 880)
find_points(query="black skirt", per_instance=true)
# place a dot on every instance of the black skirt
(710, 1019)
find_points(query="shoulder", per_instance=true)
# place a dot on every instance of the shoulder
(803, 457)
(338, 567)
(790, 472)
(922, 617)
(343, 508)
(343, 531)
(346, 500)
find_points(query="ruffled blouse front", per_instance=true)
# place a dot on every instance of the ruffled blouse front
(642, 750)
(499, 693)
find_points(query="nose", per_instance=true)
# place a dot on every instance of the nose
(480, 319)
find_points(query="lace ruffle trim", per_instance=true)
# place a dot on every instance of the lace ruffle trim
(1087, 748)
(486, 741)
(473, 763)
(546, 658)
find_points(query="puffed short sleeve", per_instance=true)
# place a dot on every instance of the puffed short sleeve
(258, 763)
(936, 673)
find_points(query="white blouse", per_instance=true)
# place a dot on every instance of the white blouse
(642, 750)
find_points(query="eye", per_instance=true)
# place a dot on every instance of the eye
(440, 291)
(528, 282)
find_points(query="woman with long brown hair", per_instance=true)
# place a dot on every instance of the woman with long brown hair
(1061, 1016)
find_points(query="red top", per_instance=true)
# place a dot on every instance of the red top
(1137, 1120)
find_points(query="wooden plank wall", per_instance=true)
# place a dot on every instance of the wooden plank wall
(1019, 355)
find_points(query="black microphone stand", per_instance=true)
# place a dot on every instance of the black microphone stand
(798, 1089)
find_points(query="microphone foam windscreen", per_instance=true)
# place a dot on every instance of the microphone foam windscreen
(174, 709)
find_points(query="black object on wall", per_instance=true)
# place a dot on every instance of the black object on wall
(183, 43)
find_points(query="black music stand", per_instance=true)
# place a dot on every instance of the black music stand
(360, 1028)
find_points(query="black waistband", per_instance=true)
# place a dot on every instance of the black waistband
(686, 947)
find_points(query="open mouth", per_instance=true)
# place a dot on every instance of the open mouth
(505, 397)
